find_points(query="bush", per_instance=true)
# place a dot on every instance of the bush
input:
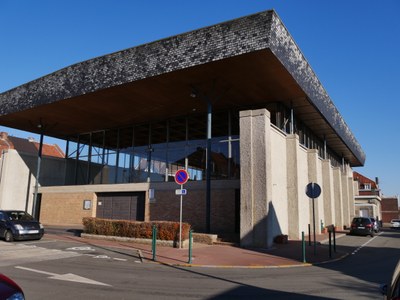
(165, 230)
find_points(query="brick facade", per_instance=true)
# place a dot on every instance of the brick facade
(66, 208)
(390, 209)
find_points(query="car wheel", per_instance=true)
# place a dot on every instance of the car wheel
(8, 236)
(372, 234)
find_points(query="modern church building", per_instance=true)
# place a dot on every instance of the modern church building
(235, 104)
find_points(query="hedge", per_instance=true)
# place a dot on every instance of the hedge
(165, 230)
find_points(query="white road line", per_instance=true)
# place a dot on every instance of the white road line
(81, 249)
(65, 277)
(365, 244)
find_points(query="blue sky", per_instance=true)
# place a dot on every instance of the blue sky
(353, 47)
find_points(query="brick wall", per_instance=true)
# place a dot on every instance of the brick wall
(390, 209)
(166, 207)
(66, 208)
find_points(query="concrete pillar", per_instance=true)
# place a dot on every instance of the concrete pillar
(348, 196)
(352, 196)
(345, 200)
(337, 183)
(293, 189)
(255, 177)
(327, 187)
(314, 176)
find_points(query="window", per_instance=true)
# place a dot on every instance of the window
(365, 186)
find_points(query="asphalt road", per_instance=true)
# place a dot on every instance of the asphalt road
(56, 269)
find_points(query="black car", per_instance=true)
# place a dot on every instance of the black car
(392, 290)
(9, 289)
(362, 226)
(19, 225)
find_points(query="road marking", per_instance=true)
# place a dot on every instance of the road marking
(365, 244)
(16, 254)
(80, 249)
(102, 256)
(65, 277)
(120, 259)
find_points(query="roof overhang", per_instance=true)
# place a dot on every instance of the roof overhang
(243, 63)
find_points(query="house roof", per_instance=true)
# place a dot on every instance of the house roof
(363, 180)
(29, 146)
(240, 64)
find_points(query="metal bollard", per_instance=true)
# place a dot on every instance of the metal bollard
(330, 244)
(303, 246)
(154, 242)
(334, 239)
(190, 246)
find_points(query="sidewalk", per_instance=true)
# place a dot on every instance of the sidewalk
(224, 255)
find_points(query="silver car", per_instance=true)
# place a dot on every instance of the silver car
(395, 223)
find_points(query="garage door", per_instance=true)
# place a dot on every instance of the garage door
(121, 206)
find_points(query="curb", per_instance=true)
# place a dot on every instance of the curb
(299, 265)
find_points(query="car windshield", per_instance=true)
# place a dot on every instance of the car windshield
(361, 220)
(19, 216)
(396, 220)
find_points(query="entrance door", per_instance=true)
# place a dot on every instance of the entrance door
(121, 206)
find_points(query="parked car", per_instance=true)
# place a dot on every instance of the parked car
(392, 290)
(395, 223)
(376, 225)
(9, 290)
(362, 226)
(19, 225)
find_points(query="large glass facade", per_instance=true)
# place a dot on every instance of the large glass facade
(153, 152)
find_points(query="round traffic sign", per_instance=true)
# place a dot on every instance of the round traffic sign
(313, 190)
(181, 176)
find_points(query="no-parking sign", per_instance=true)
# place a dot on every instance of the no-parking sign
(181, 176)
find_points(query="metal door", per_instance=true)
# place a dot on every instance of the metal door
(121, 206)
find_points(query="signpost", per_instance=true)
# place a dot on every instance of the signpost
(181, 177)
(313, 190)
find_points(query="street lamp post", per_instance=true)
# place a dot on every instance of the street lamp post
(195, 94)
(35, 196)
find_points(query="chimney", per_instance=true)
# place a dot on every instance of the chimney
(376, 180)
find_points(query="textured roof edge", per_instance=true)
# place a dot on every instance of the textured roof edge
(290, 55)
(144, 61)
(259, 31)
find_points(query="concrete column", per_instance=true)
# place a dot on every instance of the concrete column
(352, 196)
(327, 187)
(337, 183)
(255, 177)
(293, 189)
(345, 201)
(314, 176)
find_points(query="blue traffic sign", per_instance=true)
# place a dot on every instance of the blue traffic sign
(181, 177)
(313, 190)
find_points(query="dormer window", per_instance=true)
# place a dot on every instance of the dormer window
(365, 186)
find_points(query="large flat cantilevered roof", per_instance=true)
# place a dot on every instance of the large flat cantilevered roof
(242, 63)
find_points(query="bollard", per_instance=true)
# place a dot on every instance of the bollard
(330, 244)
(303, 246)
(154, 242)
(190, 246)
(309, 235)
(334, 239)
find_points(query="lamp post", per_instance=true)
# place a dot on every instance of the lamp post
(35, 196)
(195, 94)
